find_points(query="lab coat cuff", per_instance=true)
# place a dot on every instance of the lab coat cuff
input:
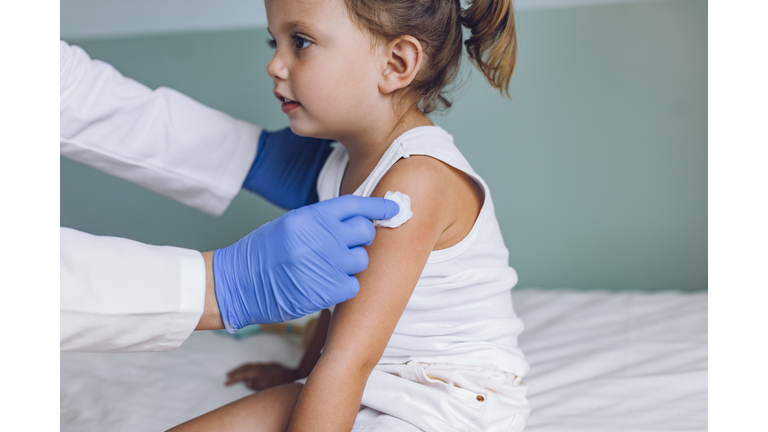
(192, 299)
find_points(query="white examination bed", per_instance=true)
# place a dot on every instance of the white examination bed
(601, 361)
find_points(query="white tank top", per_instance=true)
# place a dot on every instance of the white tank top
(461, 309)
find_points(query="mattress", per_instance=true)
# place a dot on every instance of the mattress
(600, 361)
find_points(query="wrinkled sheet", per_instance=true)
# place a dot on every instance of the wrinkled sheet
(600, 361)
(615, 361)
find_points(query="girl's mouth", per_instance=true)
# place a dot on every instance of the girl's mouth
(289, 105)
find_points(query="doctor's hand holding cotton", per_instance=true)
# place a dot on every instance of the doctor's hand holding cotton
(119, 295)
(298, 264)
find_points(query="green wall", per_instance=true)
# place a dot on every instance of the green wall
(597, 167)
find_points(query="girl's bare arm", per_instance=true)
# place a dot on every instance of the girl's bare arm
(361, 327)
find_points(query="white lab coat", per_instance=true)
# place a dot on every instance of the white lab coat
(119, 295)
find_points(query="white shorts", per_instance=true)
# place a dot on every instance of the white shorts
(422, 397)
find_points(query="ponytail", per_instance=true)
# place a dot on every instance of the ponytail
(492, 47)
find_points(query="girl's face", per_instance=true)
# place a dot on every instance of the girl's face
(325, 70)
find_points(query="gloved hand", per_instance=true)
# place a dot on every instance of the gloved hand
(286, 168)
(297, 264)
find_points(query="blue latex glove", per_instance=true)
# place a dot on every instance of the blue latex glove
(297, 264)
(286, 168)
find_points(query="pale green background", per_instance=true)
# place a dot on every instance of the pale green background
(598, 167)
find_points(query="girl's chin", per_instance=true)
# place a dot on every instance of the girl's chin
(301, 128)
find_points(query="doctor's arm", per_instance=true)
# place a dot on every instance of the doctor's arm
(119, 295)
(159, 139)
(171, 144)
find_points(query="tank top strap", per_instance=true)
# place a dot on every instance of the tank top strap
(430, 141)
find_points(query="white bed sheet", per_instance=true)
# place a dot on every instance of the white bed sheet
(601, 361)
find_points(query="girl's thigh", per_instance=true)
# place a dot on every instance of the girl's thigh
(266, 411)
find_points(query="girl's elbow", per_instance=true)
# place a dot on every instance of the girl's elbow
(357, 366)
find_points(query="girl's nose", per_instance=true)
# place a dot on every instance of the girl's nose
(277, 69)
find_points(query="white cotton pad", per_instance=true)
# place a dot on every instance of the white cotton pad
(404, 201)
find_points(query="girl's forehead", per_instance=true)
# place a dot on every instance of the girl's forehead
(305, 13)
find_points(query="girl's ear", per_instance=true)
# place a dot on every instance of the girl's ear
(404, 57)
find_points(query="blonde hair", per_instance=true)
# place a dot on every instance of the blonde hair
(437, 25)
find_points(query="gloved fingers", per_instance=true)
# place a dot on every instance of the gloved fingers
(356, 231)
(348, 289)
(354, 261)
(348, 206)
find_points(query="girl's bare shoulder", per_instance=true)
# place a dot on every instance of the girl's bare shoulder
(443, 198)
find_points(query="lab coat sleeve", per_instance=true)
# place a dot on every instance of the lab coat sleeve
(119, 295)
(158, 139)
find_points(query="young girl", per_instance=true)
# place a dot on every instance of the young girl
(430, 341)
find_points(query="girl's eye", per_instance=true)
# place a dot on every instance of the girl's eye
(271, 42)
(300, 42)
